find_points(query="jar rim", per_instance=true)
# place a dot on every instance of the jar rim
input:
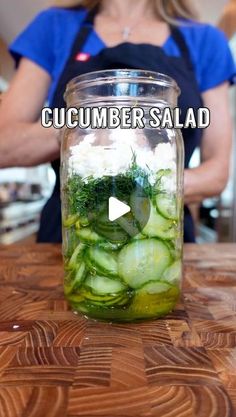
(124, 75)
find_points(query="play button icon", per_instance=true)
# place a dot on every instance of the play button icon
(117, 209)
(121, 214)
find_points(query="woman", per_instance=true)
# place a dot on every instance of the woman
(157, 35)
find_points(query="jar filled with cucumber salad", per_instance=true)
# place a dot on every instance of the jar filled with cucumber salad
(122, 202)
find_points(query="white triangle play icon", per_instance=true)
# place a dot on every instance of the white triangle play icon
(117, 209)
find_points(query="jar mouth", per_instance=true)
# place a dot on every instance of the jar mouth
(94, 78)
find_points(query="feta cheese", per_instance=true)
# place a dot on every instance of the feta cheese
(98, 160)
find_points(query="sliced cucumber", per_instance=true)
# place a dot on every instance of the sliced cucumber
(70, 220)
(84, 221)
(115, 300)
(172, 246)
(75, 298)
(70, 243)
(101, 303)
(77, 225)
(140, 207)
(129, 224)
(94, 298)
(104, 292)
(162, 174)
(113, 233)
(102, 262)
(76, 256)
(173, 273)
(102, 285)
(108, 246)
(103, 221)
(155, 287)
(88, 236)
(142, 261)
(76, 279)
(139, 236)
(140, 306)
(167, 206)
(158, 226)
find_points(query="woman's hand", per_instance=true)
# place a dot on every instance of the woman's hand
(210, 178)
(23, 141)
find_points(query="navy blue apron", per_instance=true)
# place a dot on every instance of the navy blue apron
(132, 56)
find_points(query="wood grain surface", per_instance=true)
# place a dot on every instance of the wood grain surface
(54, 363)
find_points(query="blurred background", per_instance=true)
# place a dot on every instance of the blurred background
(23, 192)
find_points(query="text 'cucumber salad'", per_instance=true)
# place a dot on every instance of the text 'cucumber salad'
(128, 269)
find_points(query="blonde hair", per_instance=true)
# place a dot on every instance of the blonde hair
(168, 10)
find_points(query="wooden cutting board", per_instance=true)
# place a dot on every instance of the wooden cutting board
(54, 363)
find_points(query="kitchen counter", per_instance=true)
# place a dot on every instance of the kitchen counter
(54, 363)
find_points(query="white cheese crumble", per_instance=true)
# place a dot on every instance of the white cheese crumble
(88, 159)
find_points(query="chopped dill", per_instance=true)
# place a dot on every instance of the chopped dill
(88, 195)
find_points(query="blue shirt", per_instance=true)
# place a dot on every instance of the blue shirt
(48, 40)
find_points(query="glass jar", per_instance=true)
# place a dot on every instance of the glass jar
(122, 202)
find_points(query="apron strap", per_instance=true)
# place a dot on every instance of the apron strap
(183, 47)
(81, 37)
(84, 32)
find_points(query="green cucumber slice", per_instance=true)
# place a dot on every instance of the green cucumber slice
(104, 292)
(75, 279)
(75, 298)
(102, 285)
(70, 220)
(173, 248)
(108, 246)
(103, 221)
(158, 226)
(155, 287)
(76, 256)
(113, 301)
(102, 303)
(129, 224)
(142, 261)
(84, 221)
(102, 262)
(139, 237)
(140, 208)
(88, 236)
(167, 206)
(173, 273)
(162, 173)
(94, 298)
(112, 233)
